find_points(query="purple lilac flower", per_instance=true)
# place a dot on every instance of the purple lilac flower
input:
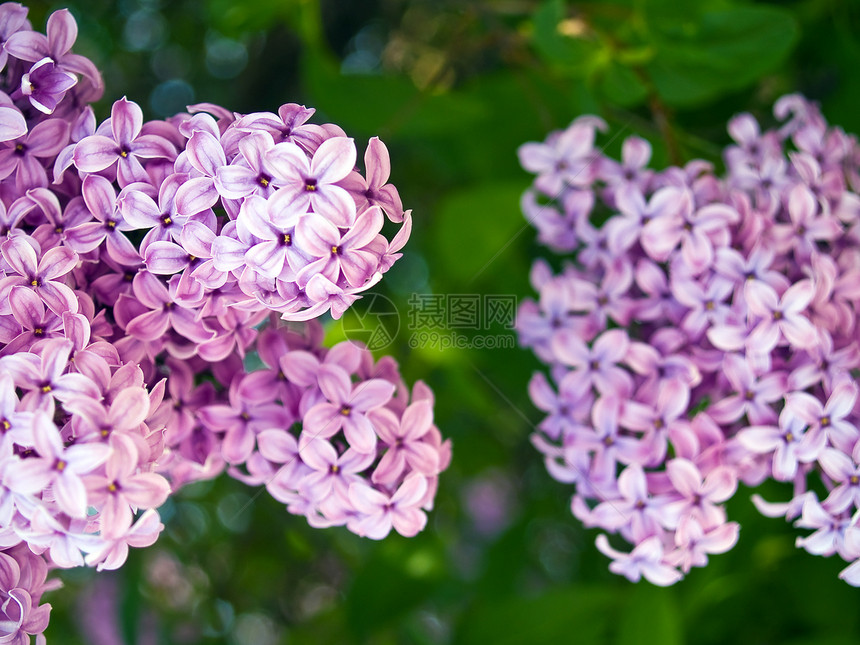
(289, 125)
(62, 31)
(375, 189)
(731, 304)
(21, 157)
(123, 363)
(22, 583)
(45, 85)
(311, 184)
(566, 159)
(346, 407)
(125, 148)
(13, 18)
(249, 174)
(379, 513)
(56, 466)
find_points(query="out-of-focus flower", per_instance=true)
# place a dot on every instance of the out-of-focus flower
(728, 356)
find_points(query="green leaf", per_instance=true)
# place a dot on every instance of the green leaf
(650, 617)
(477, 231)
(375, 104)
(394, 580)
(725, 50)
(236, 18)
(578, 615)
(621, 87)
(573, 54)
(675, 18)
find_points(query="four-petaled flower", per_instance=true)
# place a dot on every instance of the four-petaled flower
(52, 464)
(380, 512)
(346, 407)
(124, 148)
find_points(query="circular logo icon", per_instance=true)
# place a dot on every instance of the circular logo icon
(372, 321)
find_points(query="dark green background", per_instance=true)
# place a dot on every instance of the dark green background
(453, 87)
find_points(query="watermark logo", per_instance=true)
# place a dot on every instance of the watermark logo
(443, 340)
(435, 321)
(372, 321)
(462, 321)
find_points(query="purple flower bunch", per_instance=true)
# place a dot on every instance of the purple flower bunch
(249, 214)
(702, 332)
(367, 455)
(22, 583)
(143, 265)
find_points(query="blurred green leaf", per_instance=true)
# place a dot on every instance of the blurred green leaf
(370, 104)
(580, 615)
(620, 85)
(674, 18)
(650, 617)
(487, 243)
(396, 579)
(726, 50)
(233, 18)
(572, 53)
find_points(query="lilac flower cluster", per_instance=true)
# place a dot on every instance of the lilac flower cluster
(367, 455)
(22, 583)
(245, 214)
(702, 332)
(142, 266)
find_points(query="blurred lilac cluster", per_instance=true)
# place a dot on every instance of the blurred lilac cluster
(144, 265)
(702, 332)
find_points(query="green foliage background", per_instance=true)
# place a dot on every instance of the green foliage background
(454, 87)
